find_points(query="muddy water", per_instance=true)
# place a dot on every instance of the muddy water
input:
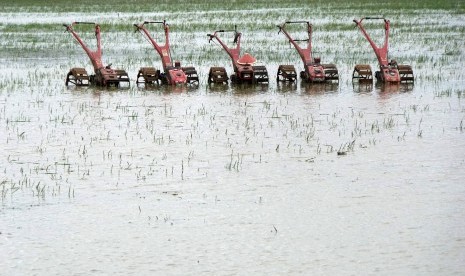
(272, 179)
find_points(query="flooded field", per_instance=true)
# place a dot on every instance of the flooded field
(273, 179)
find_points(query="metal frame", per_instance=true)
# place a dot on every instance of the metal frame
(104, 75)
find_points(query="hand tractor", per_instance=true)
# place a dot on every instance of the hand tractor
(104, 75)
(314, 70)
(244, 69)
(389, 71)
(173, 73)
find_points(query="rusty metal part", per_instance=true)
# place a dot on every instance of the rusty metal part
(77, 76)
(260, 74)
(286, 73)
(331, 72)
(362, 73)
(109, 77)
(148, 75)
(191, 73)
(122, 75)
(406, 73)
(244, 74)
(218, 75)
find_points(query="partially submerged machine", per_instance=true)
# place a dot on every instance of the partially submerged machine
(104, 75)
(314, 70)
(244, 69)
(389, 70)
(172, 73)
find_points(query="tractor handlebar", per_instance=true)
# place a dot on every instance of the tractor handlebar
(281, 27)
(93, 23)
(154, 22)
(293, 22)
(141, 26)
(369, 18)
(358, 23)
(210, 36)
(225, 31)
(70, 26)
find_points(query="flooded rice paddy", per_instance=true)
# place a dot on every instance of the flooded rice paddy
(276, 179)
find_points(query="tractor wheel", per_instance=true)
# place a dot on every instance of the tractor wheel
(362, 73)
(218, 75)
(78, 77)
(260, 74)
(331, 72)
(406, 73)
(191, 73)
(286, 73)
(148, 75)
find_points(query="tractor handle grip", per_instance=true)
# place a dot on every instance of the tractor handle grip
(137, 28)
(154, 22)
(84, 23)
(374, 17)
(293, 22)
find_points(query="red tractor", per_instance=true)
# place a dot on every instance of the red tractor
(173, 73)
(389, 70)
(104, 75)
(244, 69)
(314, 70)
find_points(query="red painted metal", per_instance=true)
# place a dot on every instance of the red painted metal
(246, 59)
(314, 70)
(244, 71)
(389, 71)
(104, 75)
(173, 72)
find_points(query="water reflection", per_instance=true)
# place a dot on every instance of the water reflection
(167, 89)
(319, 88)
(243, 89)
(285, 87)
(95, 91)
(382, 88)
(217, 87)
(362, 87)
(386, 90)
